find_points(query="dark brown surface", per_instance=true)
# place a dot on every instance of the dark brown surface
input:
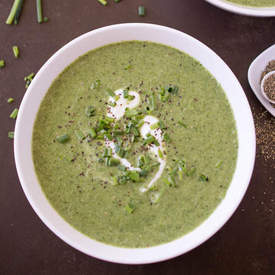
(245, 245)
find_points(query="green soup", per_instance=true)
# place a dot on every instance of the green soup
(254, 3)
(128, 181)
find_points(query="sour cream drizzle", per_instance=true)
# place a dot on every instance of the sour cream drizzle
(117, 112)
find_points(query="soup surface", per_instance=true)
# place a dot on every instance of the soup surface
(135, 144)
(254, 3)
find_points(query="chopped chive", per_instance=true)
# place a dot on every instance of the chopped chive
(128, 67)
(2, 63)
(140, 124)
(117, 1)
(110, 92)
(141, 11)
(160, 154)
(203, 178)
(154, 126)
(10, 100)
(182, 124)
(28, 79)
(39, 11)
(116, 97)
(130, 208)
(45, 19)
(113, 162)
(126, 93)
(79, 135)
(131, 112)
(63, 139)
(18, 12)
(133, 175)
(103, 2)
(90, 111)
(11, 135)
(15, 50)
(115, 181)
(92, 133)
(15, 6)
(218, 164)
(95, 84)
(166, 137)
(14, 113)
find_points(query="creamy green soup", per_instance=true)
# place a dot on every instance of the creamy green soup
(254, 3)
(135, 144)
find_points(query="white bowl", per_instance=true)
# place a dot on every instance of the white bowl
(244, 10)
(64, 57)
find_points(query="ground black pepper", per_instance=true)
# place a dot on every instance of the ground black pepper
(269, 87)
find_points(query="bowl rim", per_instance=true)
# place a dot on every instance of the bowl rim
(134, 255)
(244, 10)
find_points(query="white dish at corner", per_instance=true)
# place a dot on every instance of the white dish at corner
(243, 10)
(100, 37)
(254, 75)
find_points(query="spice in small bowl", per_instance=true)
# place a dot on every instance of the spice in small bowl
(268, 87)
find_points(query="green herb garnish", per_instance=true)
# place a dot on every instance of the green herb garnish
(63, 139)
(203, 178)
(182, 124)
(2, 63)
(15, 50)
(10, 100)
(39, 11)
(102, 2)
(14, 113)
(11, 135)
(141, 11)
(15, 7)
(28, 79)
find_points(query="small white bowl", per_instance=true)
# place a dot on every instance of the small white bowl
(244, 10)
(64, 57)
(262, 86)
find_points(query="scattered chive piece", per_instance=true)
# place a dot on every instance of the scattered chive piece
(117, 97)
(103, 2)
(79, 135)
(63, 139)
(28, 79)
(14, 113)
(13, 11)
(113, 162)
(93, 133)
(141, 11)
(15, 50)
(203, 178)
(130, 208)
(11, 135)
(39, 11)
(166, 137)
(90, 111)
(110, 92)
(2, 63)
(10, 100)
(18, 12)
(95, 84)
(182, 124)
(154, 126)
(126, 93)
(117, 1)
(45, 19)
(160, 154)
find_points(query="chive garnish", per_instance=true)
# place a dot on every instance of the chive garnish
(2, 63)
(154, 126)
(113, 162)
(166, 137)
(218, 164)
(18, 12)
(15, 50)
(14, 113)
(11, 134)
(79, 135)
(203, 178)
(39, 11)
(95, 84)
(160, 153)
(63, 139)
(103, 2)
(92, 133)
(126, 93)
(117, 1)
(45, 19)
(28, 79)
(15, 7)
(10, 100)
(133, 175)
(90, 111)
(182, 124)
(141, 11)
(130, 208)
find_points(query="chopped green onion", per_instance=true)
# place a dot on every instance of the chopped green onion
(113, 162)
(45, 19)
(92, 133)
(10, 100)
(103, 2)
(11, 135)
(141, 11)
(18, 12)
(160, 154)
(90, 111)
(14, 113)
(154, 126)
(28, 79)
(128, 67)
(126, 93)
(15, 51)
(15, 6)
(203, 178)
(95, 84)
(39, 11)
(166, 137)
(140, 124)
(133, 175)
(79, 135)
(117, 1)
(130, 208)
(116, 97)
(63, 139)
(182, 124)
(2, 63)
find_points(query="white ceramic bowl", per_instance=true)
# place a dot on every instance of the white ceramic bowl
(244, 10)
(40, 85)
